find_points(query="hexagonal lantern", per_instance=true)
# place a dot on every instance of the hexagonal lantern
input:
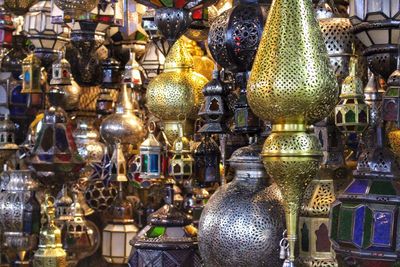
(364, 220)
(376, 24)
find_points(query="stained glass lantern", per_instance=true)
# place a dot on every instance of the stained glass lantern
(7, 139)
(235, 35)
(245, 121)
(201, 18)
(61, 72)
(391, 99)
(364, 221)
(31, 73)
(19, 213)
(352, 113)
(214, 108)
(73, 9)
(207, 158)
(119, 231)
(150, 157)
(105, 102)
(181, 163)
(118, 165)
(54, 156)
(18, 7)
(47, 38)
(168, 239)
(375, 23)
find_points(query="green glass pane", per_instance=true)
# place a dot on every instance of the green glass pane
(345, 224)
(392, 92)
(145, 162)
(350, 116)
(367, 228)
(305, 242)
(241, 118)
(382, 188)
(335, 220)
(156, 231)
(167, 3)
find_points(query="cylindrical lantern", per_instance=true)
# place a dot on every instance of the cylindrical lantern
(181, 164)
(150, 157)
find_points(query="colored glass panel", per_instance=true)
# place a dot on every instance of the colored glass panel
(345, 224)
(350, 116)
(383, 222)
(382, 188)
(393, 92)
(61, 140)
(156, 231)
(358, 186)
(334, 221)
(153, 163)
(359, 226)
(362, 116)
(305, 240)
(368, 228)
(145, 161)
(339, 118)
(167, 3)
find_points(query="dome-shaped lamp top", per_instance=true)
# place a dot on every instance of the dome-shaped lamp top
(178, 57)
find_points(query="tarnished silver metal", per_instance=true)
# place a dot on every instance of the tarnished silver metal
(243, 221)
(7, 139)
(244, 22)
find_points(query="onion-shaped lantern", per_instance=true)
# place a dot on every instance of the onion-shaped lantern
(74, 8)
(17, 7)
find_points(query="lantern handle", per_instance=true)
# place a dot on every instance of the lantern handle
(152, 127)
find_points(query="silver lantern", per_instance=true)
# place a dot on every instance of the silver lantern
(243, 221)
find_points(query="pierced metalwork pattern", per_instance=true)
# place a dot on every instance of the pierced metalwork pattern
(18, 7)
(173, 94)
(86, 5)
(318, 263)
(89, 95)
(394, 141)
(11, 211)
(235, 35)
(291, 144)
(318, 198)
(291, 79)
(245, 214)
(172, 22)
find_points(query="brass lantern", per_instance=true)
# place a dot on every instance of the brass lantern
(73, 9)
(31, 75)
(119, 231)
(177, 91)
(61, 72)
(292, 85)
(352, 113)
(181, 164)
(150, 158)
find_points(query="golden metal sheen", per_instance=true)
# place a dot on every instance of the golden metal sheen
(394, 141)
(292, 80)
(177, 91)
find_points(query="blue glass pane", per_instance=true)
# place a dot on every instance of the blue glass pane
(383, 222)
(359, 226)
(357, 187)
(154, 163)
(27, 76)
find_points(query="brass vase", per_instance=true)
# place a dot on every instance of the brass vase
(292, 85)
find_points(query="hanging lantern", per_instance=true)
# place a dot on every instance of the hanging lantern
(6, 29)
(150, 157)
(100, 195)
(364, 225)
(169, 237)
(245, 121)
(54, 156)
(181, 163)
(31, 73)
(123, 126)
(352, 114)
(7, 139)
(73, 9)
(373, 94)
(391, 99)
(200, 26)
(19, 214)
(214, 109)
(235, 35)
(375, 23)
(207, 157)
(253, 205)
(176, 92)
(118, 165)
(61, 71)
(105, 103)
(17, 7)
(152, 61)
(50, 251)
(111, 74)
(132, 75)
(48, 38)
(291, 98)
(332, 177)
(120, 229)
(202, 63)
(62, 205)
(80, 238)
